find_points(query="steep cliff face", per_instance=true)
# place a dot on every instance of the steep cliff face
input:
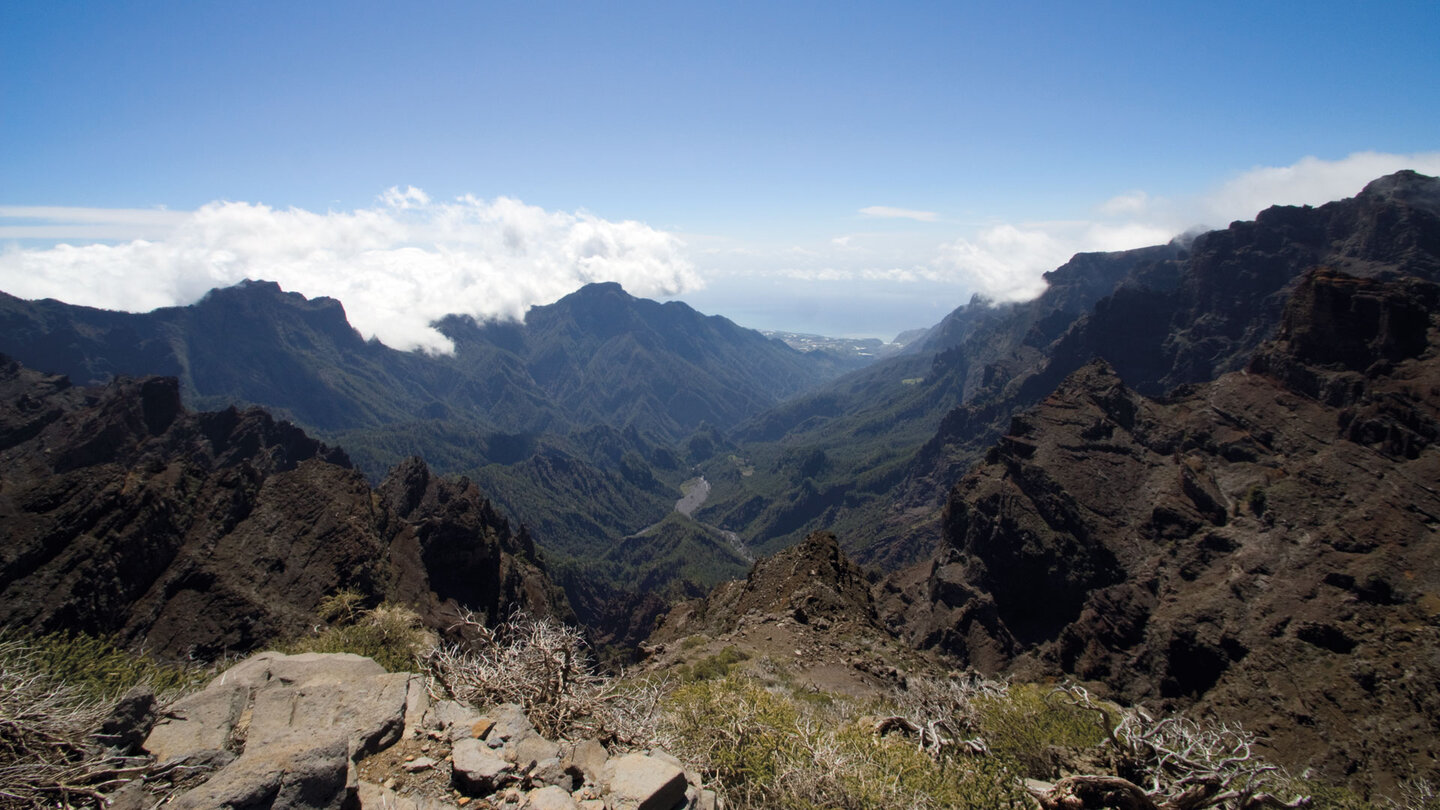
(1185, 319)
(450, 548)
(208, 533)
(1262, 548)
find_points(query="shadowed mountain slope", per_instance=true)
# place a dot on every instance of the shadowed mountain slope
(1160, 316)
(210, 533)
(577, 421)
(1261, 548)
(596, 357)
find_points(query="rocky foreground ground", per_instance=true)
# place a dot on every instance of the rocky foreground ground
(338, 731)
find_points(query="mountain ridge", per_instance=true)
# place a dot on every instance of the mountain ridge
(1177, 314)
(1261, 546)
(218, 532)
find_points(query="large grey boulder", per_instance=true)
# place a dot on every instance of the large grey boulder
(640, 782)
(589, 756)
(295, 775)
(296, 722)
(477, 770)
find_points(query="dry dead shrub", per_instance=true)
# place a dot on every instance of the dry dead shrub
(540, 664)
(1172, 763)
(45, 756)
(1416, 794)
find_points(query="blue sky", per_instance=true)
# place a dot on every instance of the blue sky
(844, 168)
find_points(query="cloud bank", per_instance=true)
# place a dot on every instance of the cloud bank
(408, 260)
(397, 267)
(1006, 261)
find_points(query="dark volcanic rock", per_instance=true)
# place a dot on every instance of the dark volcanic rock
(811, 581)
(456, 547)
(208, 533)
(1261, 548)
(1184, 318)
(596, 357)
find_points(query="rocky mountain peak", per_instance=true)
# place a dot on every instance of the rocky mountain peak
(807, 582)
(210, 533)
(1334, 319)
(1253, 547)
(1408, 187)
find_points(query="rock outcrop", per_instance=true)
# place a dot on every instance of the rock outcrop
(326, 732)
(202, 534)
(285, 730)
(809, 605)
(1170, 319)
(1261, 548)
(813, 581)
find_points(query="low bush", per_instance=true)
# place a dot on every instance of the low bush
(764, 747)
(391, 634)
(100, 669)
(1026, 720)
(46, 756)
(711, 666)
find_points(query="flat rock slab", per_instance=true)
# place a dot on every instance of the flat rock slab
(640, 782)
(311, 775)
(299, 670)
(270, 698)
(296, 722)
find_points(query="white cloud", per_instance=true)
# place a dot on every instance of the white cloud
(397, 268)
(1129, 203)
(905, 270)
(1005, 261)
(887, 212)
(1310, 181)
(55, 222)
(409, 260)
(411, 197)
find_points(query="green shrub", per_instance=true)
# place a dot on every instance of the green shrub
(391, 634)
(711, 666)
(777, 748)
(1022, 723)
(346, 606)
(746, 734)
(99, 668)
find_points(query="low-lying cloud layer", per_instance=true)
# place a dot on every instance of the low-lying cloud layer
(409, 260)
(397, 267)
(1005, 261)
